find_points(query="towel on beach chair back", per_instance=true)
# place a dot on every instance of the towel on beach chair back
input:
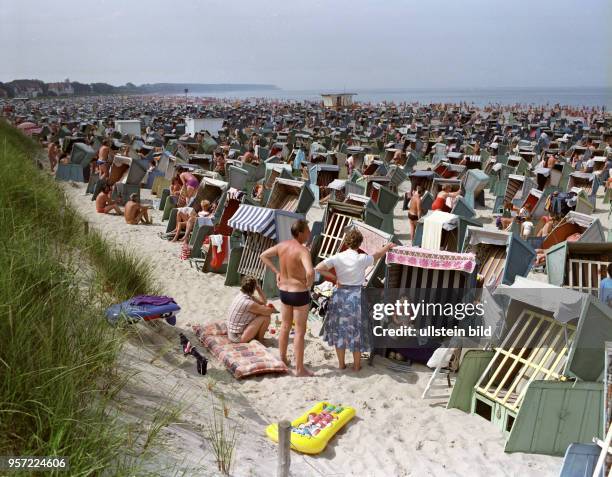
(219, 245)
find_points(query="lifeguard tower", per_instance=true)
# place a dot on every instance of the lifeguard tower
(337, 100)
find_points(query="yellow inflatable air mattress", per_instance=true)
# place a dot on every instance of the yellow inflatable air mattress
(311, 432)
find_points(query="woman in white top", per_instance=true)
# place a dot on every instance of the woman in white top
(526, 227)
(344, 326)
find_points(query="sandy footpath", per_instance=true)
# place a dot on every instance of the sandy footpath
(395, 433)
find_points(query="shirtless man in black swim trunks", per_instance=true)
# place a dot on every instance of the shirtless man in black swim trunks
(414, 210)
(294, 281)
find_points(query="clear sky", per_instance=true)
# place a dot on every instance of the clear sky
(306, 44)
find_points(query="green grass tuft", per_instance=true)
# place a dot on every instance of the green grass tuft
(57, 353)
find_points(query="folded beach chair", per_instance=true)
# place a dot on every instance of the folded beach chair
(439, 361)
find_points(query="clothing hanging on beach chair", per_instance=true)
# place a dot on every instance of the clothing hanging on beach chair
(218, 246)
(432, 229)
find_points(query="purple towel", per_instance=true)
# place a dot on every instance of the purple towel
(154, 300)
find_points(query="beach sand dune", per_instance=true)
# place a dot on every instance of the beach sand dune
(395, 433)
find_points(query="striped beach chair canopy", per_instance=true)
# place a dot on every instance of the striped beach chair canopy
(250, 218)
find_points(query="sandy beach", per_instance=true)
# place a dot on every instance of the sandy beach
(395, 431)
(489, 120)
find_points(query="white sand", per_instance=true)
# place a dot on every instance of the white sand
(395, 431)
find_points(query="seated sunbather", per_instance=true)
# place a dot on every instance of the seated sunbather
(397, 158)
(104, 204)
(248, 158)
(525, 211)
(258, 191)
(206, 209)
(64, 159)
(135, 212)
(182, 217)
(506, 219)
(249, 315)
(540, 256)
(206, 212)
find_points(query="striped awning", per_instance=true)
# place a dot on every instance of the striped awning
(435, 260)
(250, 218)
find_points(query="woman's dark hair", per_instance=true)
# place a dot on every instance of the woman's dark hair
(248, 285)
(353, 239)
(610, 270)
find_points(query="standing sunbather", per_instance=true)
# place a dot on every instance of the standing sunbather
(189, 180)
(605, 286)
(440, 203)
(53, 154)
(414, 210)
(104, 159)
(345, 327)
(294, 280)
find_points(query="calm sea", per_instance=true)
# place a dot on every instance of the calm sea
(540, 96)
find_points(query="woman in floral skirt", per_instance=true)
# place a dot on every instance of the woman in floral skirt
(344, 327)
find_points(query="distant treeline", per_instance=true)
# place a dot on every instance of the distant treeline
(34, 88)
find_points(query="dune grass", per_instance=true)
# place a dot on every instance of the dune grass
(221, 434)
(57, 353)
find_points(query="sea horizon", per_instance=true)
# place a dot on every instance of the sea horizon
(570, 96)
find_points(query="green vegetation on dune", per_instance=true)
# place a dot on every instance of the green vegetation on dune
(57, 353)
